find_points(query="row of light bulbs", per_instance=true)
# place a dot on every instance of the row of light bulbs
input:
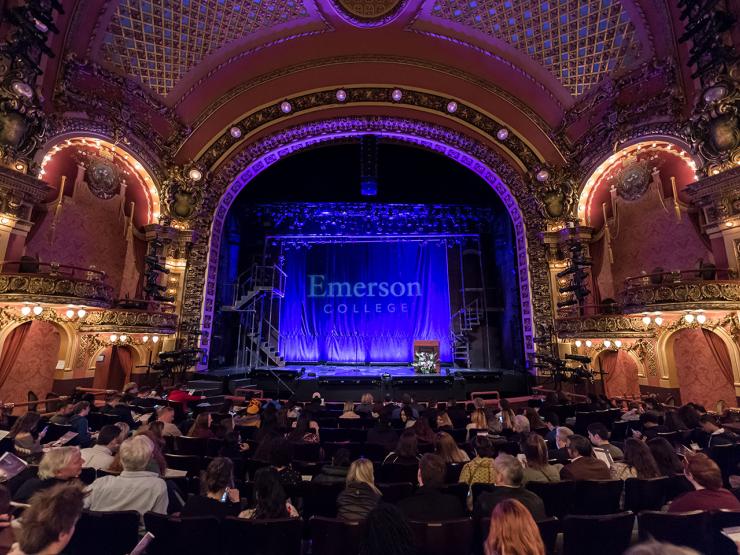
(123, 338)
(607, 343)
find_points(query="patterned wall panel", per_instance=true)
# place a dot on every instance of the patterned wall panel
(579, 41)
(159, 42)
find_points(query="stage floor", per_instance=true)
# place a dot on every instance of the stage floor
(349, 371)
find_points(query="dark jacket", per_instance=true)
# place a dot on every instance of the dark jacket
(122, 412)
(355, 502)
(430, 504)
(79, 424)
(201, 505)
(387, 437)
(331, 474)
(560, 455)
(585, 468)
(487, 501)
(29, 487)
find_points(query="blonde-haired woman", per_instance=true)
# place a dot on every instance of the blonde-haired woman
(60, 464)
(361, 495)
(349, 411)
(478, 421)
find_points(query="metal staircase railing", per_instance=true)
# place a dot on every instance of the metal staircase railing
(464, 323)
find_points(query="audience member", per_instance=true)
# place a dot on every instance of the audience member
(58, 465)
(505, 415)
(508, 477)
(271, 500)
(115, 406)
(652, 547)
(406, 416)
(387, 532)
(560, 453)
(478, 422)
(538, 468)
(219, 497)
(383, 434)
(717, 434)
(428, 503)
(79, 423)
(136, 488)
(49, 523)
(304, 431)
(406, 402)
(583, 465)
(100, 456)
(361, 495)
(202, 426)
(447, 449)
(673, 422)
(480, 469)
(552, 421)
(665, 457)
(349, 411)
(407, 450)
(513, 531)
(281, 457)
(457, 414)
(423, 428)
(708, 494)
(599, 437)
(166, 415)
(651, 425)
(535, 421)
(521, 428)
(366, 406)
(181, 395)
(443, 419)
(26, 443)
(336, 472)
(63, 414)
(638, 462)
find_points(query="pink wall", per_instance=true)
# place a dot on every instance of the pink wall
(699, 377)
(623, 379)
(34, 368)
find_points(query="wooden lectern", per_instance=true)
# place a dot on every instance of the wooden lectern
(427, 346)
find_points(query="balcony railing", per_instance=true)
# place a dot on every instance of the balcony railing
(31, 281)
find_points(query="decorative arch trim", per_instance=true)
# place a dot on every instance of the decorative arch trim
(67, 345)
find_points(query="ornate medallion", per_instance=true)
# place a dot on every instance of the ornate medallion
(633, 179)
(102, 177)
(368, 13)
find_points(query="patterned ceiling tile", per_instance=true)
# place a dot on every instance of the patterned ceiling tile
(579, 41)
(160, 41)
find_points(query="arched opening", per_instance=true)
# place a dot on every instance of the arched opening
(114, 366)
(31, 353)
(620, 371)
(703, 367)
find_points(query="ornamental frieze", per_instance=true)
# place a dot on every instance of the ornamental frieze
(597, 326)
(54, 289)
(131, 321)
(724, 295)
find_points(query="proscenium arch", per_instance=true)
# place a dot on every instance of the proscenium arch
(475, 156)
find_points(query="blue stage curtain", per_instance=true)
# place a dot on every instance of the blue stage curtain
(316, 326)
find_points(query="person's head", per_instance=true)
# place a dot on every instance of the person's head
(113, 399)
(367, 399)
(63, 463)
(703, 472)
(690, 416)
(108, 436)
(650, 419)
(136, 453)
(478, 419)
(66, 408)
(302, 425)
(202, 421)
(124, 431)
(637, 455)
(521, 424)
(341, 457)
(361, 471)
(281, 453)
(535, 449)
(432, 470)
(579, 446)
(552, 420)
(504, 405)
(483, 447)
(561, 436)
(597, 433)
(81, 409)
(533, 416)
(653, 547)
(406, 414)
(26, 424)
(709, 423)
(132, 389)
(446, 448)
(166, 415)
(508, 470)
(408, 445)
(156, 429)
(513, 531)
(269, 495)
(387, 532)
(349, 406)
(218, 476)
(49, 522)
(665, 457)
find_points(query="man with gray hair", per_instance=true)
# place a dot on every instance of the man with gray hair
(136, 488)
(560, 454)
(508, 476)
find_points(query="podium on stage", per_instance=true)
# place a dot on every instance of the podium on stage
(428, 346)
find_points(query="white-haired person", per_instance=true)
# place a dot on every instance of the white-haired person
(521, 428)
(136, 488)
(57, 466)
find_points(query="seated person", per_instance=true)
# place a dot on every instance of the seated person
(219, 497)
(349, 411)
(49, 523)
(480, 469)
(270, 497)
(383, 434)
(407, 450)
(202, 426)
(478, 421)
(114, 405)
(599, 437)
(538, 468)
(509, 476)
(428, 503)
(445, 447)
(136, 488)
(100, 456)
(361, 495)
(79, 423)
(583, 465)
(708, 494)
(63, 415)
(336, 472)
(180, 395)
(26, 440)
(651, 425)
(166, 415)
(638, 462)
(406, 402)
(717, 434)
(280, 459)
(552, 421)
(305, 430)
(59, 465)
(521, 429)
(560, 453)
(513, 530)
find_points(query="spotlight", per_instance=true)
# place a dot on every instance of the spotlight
(658, 321)
(502, 134)
(145, 339)
(26, 310)
(286, 107)
(607, 343)
(452, 107)
(37, 310)
(578, 343)
(341, 95)
(123, 338)
(617, 343)
(235, 132)
(397, 95)
(113, 338)
(81, 313)
(70, 313)
(646, 320)
(195, 174)
(155, 338)
(589, 343)
(701, 318)
(689, 318)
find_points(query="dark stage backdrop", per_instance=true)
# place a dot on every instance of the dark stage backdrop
(364, 301)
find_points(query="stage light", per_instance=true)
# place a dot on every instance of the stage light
(578, 343)
(397, 95)
(646, 320)
(26, 310)
(113, 338)
(145, 339)
(341, 95)
(617, 343)
(123, 338)
(658, 320)
(701, 318)
(502, 134)
(70, 314)
(195, 174)
(37, 310)
(81, 313)
(285, 107)
(452, 107)
(589, 343)
(235, 132)
(689, 318)
(155, 338)
(4, 221)
(542, 176)
(607, 343)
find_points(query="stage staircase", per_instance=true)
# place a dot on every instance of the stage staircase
(465, 322)
(257, 295)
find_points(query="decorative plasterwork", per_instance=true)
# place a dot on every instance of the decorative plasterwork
(368, 13)
(707, 295)
(603, 324)
(199, 297)
(159, 42)
(719, 198)
(130, 321)
(578, 41)
(58, 289)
